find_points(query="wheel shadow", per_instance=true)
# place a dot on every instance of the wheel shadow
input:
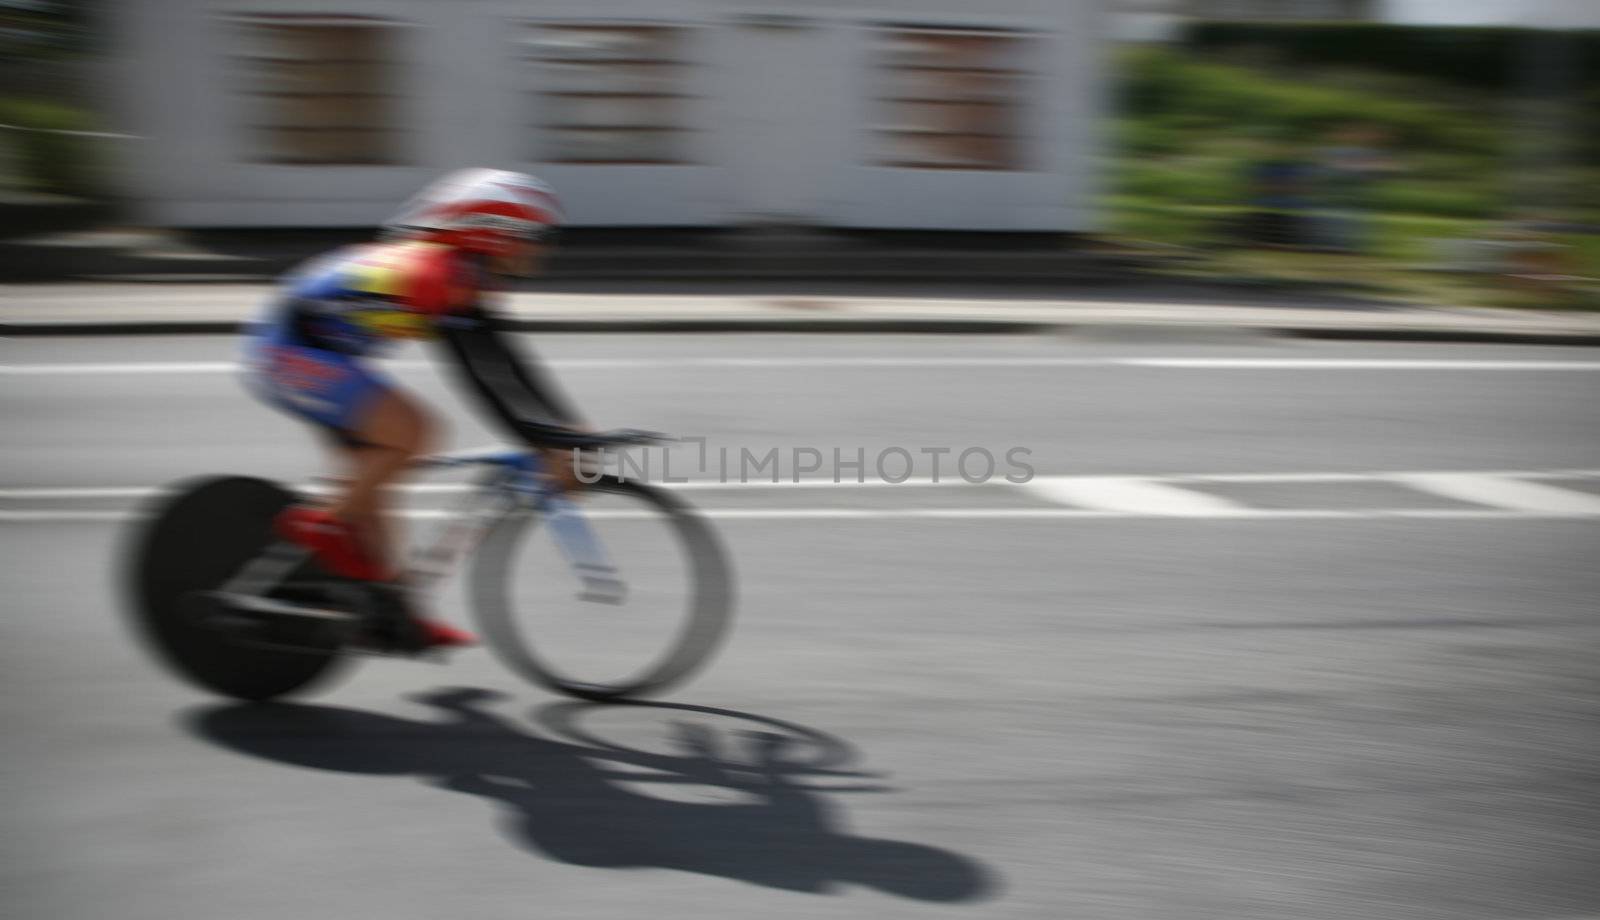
(576, 798)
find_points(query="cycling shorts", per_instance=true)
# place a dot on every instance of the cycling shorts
(329, 389)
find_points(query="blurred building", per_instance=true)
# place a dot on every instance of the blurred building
(1541, 14)
(1279, 10)
(1150, 19)
(901, 114)
(1162, 20)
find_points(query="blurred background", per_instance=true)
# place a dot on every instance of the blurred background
(1418, 151)
(1290, 303)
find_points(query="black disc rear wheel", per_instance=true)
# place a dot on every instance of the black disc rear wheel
(196, 539)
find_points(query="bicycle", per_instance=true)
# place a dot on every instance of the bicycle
(234, 610)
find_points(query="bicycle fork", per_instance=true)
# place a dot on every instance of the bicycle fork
(570, 531)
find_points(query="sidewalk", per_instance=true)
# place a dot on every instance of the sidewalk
(123, 309)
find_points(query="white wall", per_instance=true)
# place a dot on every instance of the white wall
(781, 120)
(1545, 14)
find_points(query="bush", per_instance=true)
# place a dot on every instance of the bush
(1156, 222)
(1171, 88)
(1489, 58)
(1148, 136)
(1422, 197)
(50, 160)
(1191, 180)
(1191, 127)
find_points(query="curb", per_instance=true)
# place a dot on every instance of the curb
(936, 326)
(1459, 336)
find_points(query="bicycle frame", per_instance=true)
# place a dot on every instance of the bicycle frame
(516, 478)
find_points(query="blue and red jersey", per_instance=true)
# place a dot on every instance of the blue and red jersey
(357, 299)
(309, 352)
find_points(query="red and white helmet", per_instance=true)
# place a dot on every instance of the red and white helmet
(480, 210)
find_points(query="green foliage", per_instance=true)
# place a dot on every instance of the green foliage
(1457, 160)
(1194, 180)
(1487, 58)
(1166, 89)
(50, 159)
(1148, 136)
(1191, 127)
(1439, 198)
(1143, 219)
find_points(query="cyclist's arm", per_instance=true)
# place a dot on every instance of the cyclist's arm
(513, 389)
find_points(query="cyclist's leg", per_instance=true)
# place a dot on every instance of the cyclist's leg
(373, 428)
(376, 430)
(392, 430)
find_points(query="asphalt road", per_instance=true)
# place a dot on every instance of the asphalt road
(1278, 631)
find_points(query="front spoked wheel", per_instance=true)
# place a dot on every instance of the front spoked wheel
(655, 628)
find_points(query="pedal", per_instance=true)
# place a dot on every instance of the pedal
(600, 584)
(599, 590)
(266, 606)
(270, 624)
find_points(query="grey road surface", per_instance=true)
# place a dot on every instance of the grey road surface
(1278, 631)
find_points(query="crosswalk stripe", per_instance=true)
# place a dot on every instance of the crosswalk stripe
(1503, 492)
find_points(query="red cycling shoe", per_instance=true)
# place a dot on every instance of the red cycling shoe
(442, 635)
(331, 540)
(335, 546)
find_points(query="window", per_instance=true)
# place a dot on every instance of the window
(949, 99)
(609, 94)
(319, 89)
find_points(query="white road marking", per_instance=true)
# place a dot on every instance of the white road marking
(1051, 484)
(1268, 477)
(457, 488)
(43, 517)
(165, 367)
(1363, 477)
(1504, 492)
(1132, 495)
(1219, 363)
(84, 492)
(996, 514)
(1501, 495)
(1360, 364)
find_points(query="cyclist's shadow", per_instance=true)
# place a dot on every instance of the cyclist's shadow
(578, 802)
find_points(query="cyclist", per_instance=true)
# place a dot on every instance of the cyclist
(310, 355)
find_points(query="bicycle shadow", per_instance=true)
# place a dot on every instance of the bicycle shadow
(580, 803)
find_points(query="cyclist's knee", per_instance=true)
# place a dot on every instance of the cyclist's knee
(401, 425)
(427, 432)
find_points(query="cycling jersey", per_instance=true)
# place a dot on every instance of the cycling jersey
(310, 351)
(359, 298)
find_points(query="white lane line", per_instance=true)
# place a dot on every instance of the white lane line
(1504, 492)
(1266, 478)
(45, 517)
(1132, 495)
(1220, 363)
(1048, 486)
(995, 514)
(1362, 364)
(457, 488)
(169, 367)
(85, 492)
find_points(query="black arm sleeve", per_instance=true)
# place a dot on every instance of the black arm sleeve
(515, 391)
